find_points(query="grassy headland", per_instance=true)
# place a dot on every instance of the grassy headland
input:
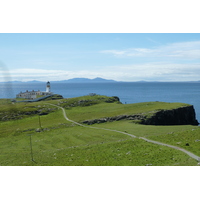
(56, 141)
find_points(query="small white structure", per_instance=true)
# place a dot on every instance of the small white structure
(35, 94)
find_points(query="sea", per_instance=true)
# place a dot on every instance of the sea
(128, 92)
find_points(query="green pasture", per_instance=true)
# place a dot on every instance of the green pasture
(174, 135)
(102, 110)
(80, 146)
(58, 142)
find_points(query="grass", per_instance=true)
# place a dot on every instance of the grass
(104, 110)
(61, 143)
(78, 146)
(174, 135)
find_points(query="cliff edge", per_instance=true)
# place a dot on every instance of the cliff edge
(179, 116)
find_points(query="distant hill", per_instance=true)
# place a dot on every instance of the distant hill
(85, 80)
(34, 81)
(73, 80)
(12, 82)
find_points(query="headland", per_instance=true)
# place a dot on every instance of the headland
(60, 142)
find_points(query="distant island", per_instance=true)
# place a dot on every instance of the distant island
(85, 80)
(73, 80)
(88, 80)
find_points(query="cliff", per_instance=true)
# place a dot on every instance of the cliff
(179, 116)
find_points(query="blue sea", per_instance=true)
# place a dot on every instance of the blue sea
(128, 92)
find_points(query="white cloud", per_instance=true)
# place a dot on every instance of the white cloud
(184, 50)
(160, 71)
(155, 71)
(114, 52)
(44, 75)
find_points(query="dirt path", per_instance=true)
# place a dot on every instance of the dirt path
(65, 116)
(151, 141)
(174, 147)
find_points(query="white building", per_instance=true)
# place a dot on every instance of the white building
(35, 94)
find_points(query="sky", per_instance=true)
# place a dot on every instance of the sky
(117, 56)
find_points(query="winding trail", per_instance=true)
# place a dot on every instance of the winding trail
(174, 147)
(147, 140)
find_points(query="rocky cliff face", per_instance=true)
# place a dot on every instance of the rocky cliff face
(116, 118)
(180, 116)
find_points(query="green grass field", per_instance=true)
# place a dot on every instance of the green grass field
(59, 142)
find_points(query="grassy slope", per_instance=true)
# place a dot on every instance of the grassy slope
(62, 143)
(174, 135)
(114, 109)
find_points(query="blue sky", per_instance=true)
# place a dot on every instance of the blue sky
(122, 56)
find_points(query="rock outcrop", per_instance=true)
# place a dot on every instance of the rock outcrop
(180, 116)
(116, 118)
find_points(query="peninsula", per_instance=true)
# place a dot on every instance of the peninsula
(96, 130)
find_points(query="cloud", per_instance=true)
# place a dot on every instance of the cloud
(114, 52)
(183, 50)
(159, 71)
(26, 74)
(170, 62)
(151, 40)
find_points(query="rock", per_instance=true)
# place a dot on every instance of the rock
(116, 98)
(115, 118)
(180, 116)
(113, 99)
(121, 117)
(44, 113)
(148, 164)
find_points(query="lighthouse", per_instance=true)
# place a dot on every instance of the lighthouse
(48, 87)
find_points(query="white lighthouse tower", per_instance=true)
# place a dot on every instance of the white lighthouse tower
(48, 87)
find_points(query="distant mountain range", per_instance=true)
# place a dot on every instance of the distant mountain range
(85, 80)
(73, 80)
